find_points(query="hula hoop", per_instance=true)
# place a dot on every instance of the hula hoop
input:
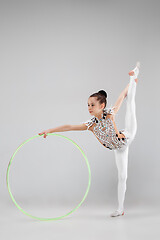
(40, 218)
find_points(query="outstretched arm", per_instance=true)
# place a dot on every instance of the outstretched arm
(120, 99)
(64, 128)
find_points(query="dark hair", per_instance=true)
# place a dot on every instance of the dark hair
(101, 96)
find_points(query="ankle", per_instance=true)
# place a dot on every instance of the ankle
(120, 210)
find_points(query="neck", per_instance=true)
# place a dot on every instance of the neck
(99, 116)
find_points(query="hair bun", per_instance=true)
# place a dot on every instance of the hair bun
(102, 92)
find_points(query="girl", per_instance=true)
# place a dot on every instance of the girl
(103, 126)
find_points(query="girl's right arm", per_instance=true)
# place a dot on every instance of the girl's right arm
(64, 128)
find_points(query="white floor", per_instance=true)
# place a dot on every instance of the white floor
(87, 222)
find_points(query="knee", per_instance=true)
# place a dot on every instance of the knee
(122, 177)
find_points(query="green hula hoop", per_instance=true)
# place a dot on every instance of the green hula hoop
(56, 218)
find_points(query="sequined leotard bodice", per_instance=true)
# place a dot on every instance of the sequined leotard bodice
(105, 132)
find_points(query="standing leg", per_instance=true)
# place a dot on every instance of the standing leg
(121, 158)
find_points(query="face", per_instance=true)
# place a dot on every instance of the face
(94, 107)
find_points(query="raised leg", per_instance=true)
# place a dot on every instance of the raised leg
(130, 117)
